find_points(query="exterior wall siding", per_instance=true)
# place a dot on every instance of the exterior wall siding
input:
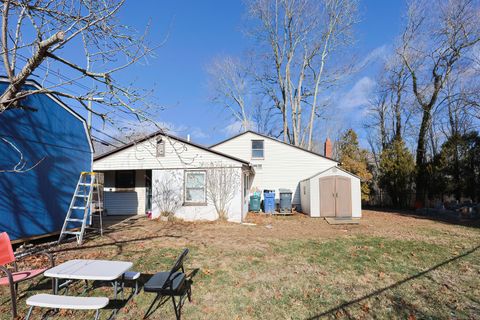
(174, 180)
(283, 166)
(54, 143)
(178, 155)
(124, 202)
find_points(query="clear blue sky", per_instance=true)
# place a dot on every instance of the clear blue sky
(200, 30)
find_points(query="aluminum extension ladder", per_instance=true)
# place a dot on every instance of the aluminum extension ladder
(83, 200)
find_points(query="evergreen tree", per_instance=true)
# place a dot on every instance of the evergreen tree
(355, 160)
(397, 167)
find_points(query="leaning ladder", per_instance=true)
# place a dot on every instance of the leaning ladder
(82, 199)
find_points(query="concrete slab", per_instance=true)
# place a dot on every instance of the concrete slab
(337, 221)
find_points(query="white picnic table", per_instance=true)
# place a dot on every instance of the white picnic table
(93, 270)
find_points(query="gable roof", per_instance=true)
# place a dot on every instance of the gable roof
(336, 167)
(276, 140)
(171, 136)
(58, 101)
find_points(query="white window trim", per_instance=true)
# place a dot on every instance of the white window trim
(263, 149)
(194, 203)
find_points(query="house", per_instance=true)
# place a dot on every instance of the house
(279, 165)
(163, 173)
(44, 146)
(331, 193)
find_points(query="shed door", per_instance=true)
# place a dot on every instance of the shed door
(327, 196)
(343, 197)
(335, 197)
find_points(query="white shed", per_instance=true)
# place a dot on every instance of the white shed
(331, 193)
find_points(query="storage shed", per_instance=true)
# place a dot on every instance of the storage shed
(43, 149)
(331, 193)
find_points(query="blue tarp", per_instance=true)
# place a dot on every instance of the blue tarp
(35, 202)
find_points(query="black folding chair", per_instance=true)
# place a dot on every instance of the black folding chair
(170, 284)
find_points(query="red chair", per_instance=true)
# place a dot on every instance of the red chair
(12, 279)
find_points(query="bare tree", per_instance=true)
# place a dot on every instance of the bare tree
(35, 37)
(167, 195)
(222, 185)
(229, 85)
(437, 36)
(297, 39)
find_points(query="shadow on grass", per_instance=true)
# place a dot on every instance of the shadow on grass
(447, 218)
(350, 303)
(160, 300)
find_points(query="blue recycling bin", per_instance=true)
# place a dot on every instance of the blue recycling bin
(268, 201)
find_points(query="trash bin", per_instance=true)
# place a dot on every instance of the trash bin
(268, 201)
(255, 202)
(285, 200)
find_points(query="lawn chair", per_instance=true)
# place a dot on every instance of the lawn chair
(14, 278)
(170, 284)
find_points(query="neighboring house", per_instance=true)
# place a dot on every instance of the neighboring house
(164, 173)
(277, 164)
(51, 140)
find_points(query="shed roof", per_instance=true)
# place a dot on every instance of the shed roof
(337, 167)
(57, 100)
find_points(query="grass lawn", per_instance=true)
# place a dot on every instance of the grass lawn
(389, 266)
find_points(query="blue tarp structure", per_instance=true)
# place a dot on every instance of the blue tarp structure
(55, 139)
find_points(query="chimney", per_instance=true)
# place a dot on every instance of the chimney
(188, 137)
(327, 151)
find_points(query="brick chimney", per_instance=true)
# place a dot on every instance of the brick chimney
(327, 150)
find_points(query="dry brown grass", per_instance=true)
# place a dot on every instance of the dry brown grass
(389, 266)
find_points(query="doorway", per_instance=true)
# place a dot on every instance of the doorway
(335, 196)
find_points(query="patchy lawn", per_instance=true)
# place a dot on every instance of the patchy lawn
(389, 266)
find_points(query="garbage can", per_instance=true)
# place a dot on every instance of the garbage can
(285, 200)
(255, 202)
(268, 201)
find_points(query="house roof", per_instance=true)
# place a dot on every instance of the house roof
(162, 133)
(339, 168)
(277, 140)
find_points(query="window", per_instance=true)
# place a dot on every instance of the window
(160, 147)
(257, 149)
(257, 167)
(195, 187)
(125, 179)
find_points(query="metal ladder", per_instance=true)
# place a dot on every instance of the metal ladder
(83, 200)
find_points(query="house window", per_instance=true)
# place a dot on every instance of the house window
(257, 149)
(195, 187)
(160, 147)
(125, 179)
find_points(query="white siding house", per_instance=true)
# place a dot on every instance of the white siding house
(332, 193)
(163, 172)
(277, 164)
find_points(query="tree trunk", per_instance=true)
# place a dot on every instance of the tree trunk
(422, 174)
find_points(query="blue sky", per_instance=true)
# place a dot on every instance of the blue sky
(197, 31)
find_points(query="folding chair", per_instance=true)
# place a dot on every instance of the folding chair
(12, 279)
(170, 284)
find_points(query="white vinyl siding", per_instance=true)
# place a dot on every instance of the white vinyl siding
(284, 166)
(177, 155)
